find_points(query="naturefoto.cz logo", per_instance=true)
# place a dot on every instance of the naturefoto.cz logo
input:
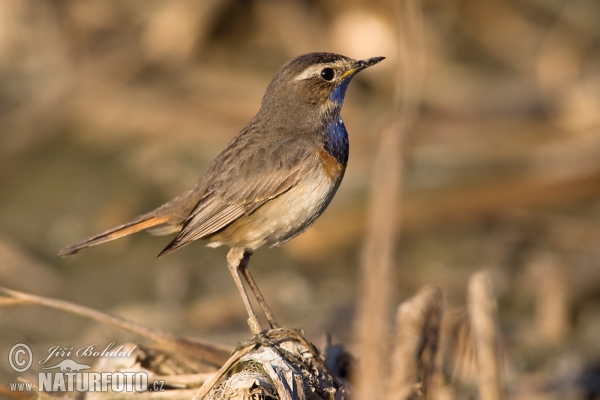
(69, 375)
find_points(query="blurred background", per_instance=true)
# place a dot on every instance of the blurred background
(110, 108)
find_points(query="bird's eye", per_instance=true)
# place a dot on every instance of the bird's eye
(327, 74)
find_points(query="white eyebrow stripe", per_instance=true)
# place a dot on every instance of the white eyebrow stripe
(308, 72)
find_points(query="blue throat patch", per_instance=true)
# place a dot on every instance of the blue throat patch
(336, 141)
(337, 96)
(336, 136)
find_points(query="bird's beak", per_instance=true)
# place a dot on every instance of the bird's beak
(362, 64)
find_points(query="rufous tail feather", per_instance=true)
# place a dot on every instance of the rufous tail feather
(135, 225)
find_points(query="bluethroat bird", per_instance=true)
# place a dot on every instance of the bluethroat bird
(272, 181)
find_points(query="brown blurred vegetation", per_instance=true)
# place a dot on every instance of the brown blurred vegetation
(109, 108)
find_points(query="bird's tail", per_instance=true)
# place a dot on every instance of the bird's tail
(138, 224)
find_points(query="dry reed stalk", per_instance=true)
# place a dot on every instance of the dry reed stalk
(372, 328)
(482, 311)
(208, 352)
(552, 300)
(462, 351)
(414, 359)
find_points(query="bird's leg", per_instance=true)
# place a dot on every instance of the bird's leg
(237, 259)
(259, 297)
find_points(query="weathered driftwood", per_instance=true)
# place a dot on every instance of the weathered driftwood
(279, 365)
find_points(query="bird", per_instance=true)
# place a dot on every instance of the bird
(272, 181)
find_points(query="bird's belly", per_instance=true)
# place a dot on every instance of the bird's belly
(287, 215)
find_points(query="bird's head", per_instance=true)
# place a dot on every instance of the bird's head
(312, 85)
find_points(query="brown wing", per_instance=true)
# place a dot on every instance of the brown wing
(251, 171)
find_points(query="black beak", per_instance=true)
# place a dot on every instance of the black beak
(362, 64)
